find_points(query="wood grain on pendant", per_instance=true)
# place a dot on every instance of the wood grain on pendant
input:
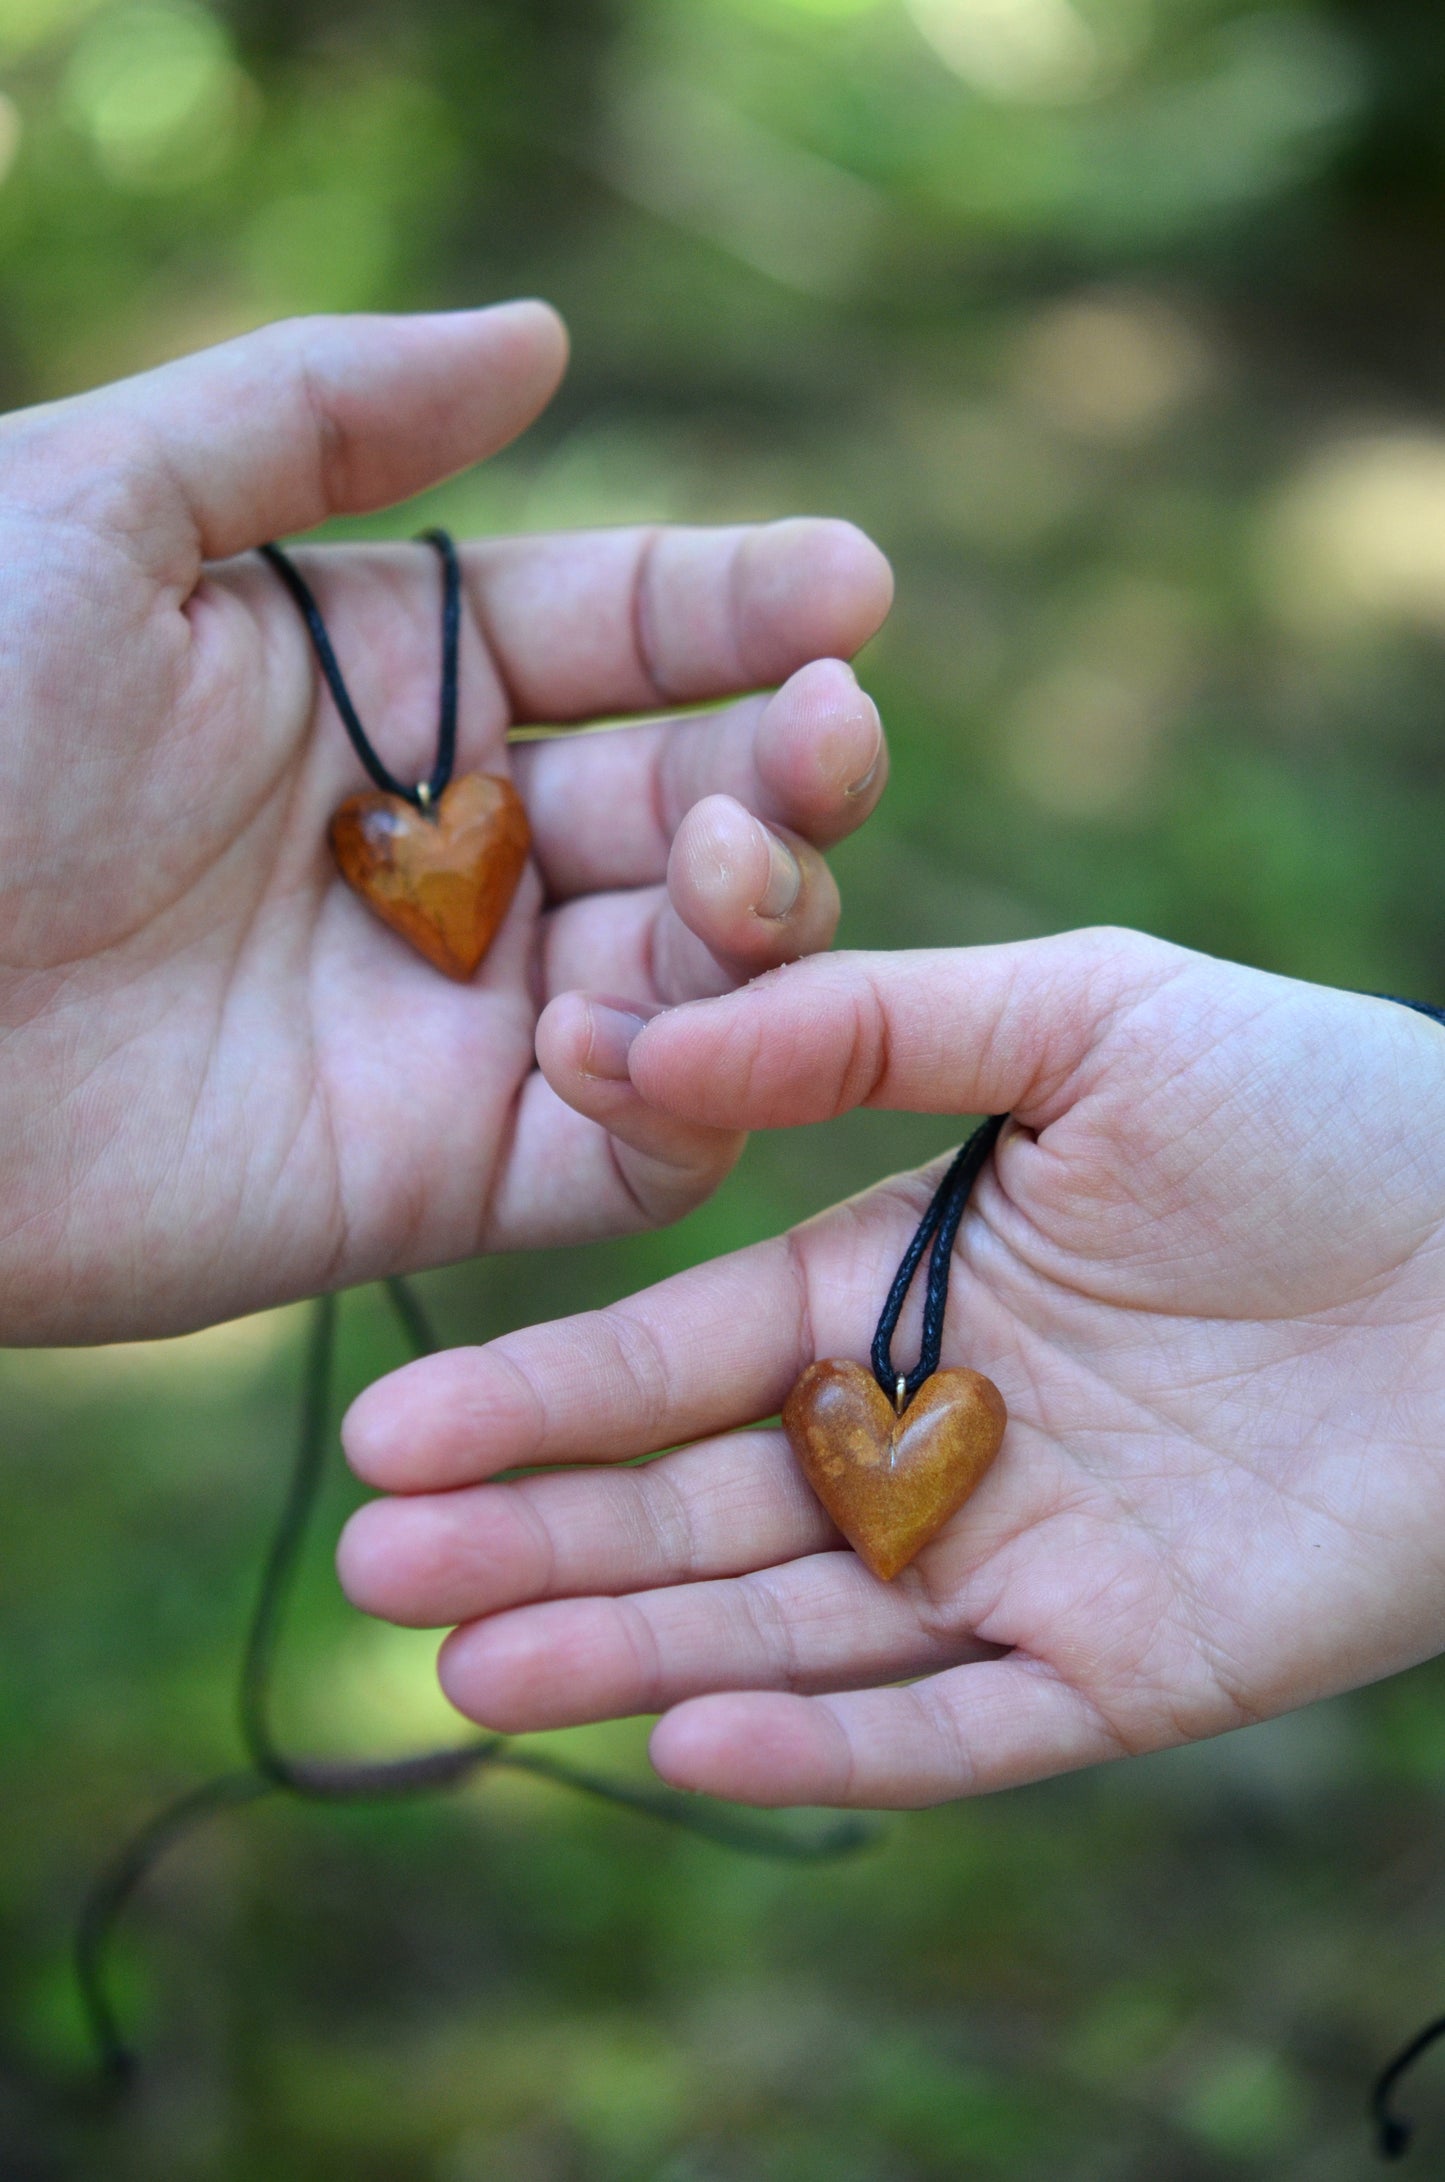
(890, 1483)
(443, 878)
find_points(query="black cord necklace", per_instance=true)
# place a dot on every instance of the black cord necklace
(439, 862)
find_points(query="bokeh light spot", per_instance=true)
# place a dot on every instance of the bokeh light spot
(26, 24)
(1111, 367)
(158, 94)
(1014, 49)
(1356, 539)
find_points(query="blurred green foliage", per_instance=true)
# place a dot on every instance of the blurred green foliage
(1119, 322)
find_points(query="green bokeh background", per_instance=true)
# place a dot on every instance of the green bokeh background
(1120, 323)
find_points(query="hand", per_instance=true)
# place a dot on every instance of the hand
(1206, 1269)
(224, 1083)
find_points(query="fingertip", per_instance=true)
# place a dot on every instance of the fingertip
(583, 1050)
(851, 574)
(500, 1673)
(365, 1560)
(452, 1674)
(820, 751)
(431, 1560)
(817, 585)
(756, 1747)
(861, 574)
(372, 1430)
(754, 894)
(722, 853)
(586, 1038)
(444, 1420)
(536, 327)
(324, 415)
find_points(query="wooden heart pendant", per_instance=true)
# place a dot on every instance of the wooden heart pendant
(443, 878)
(890, 1482)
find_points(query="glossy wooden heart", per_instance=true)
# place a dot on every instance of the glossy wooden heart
(890, 1482)
(444, 878)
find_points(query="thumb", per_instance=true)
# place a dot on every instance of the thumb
(966, 1030)
(305, 419)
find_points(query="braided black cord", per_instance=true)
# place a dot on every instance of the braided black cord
(451, 651)
(939, 1226)
(310, 613)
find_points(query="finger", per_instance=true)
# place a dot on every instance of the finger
(632, 620)
(731, 873)
(741, 897)
(604, 808)
(663, 1164)
(719, 1508)
(974, 1729)
(819, 1623)
(595, 1388)
(566, 1179)
(950, 1030)
(754, 895)
(305, 419)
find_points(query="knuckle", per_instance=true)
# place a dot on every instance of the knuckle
(671, 1533)
(1120, 961)
(298, 353)
(644, 1368)
(866, 1049)
(646, 1676)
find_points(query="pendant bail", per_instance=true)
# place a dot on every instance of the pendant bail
(900, 1391)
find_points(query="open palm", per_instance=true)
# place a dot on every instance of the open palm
(1206, 1270)
(225, 1083)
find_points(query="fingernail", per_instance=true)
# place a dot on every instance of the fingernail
(865, 780)
(785, 880)
(610, 1032)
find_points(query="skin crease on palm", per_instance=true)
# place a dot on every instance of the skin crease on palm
(1206, 1269)
(224, 1083)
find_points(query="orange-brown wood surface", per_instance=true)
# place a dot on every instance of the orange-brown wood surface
(444, 878)
(890, 1483)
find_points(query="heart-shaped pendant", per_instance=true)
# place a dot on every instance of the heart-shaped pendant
(891, 1482)
(444, 877)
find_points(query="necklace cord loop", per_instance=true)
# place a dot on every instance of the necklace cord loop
(424, 796)
(274, 1771)
(939, 1226)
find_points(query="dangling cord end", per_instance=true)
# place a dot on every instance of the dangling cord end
(1392, 2139)
(1393, 2132)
